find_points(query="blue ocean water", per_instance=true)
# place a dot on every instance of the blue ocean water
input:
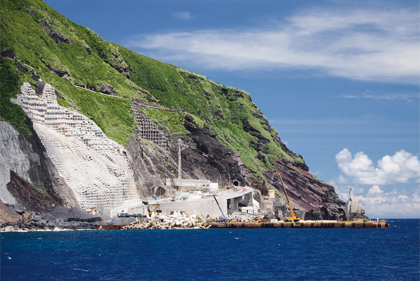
(215, 254)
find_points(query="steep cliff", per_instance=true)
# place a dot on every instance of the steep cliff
(143, 105)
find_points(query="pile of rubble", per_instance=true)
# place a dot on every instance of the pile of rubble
(174, 221)
(244, 217)
(179, 220)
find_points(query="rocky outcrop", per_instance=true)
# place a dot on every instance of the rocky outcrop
(31, 197)
(88, 50)
(7, 215)
(150, 165)
(307, 193)
(118, 63)
(21, 68)
(57, 36)
(8, 54)
(11, 158)
(61, 73)
(211, 158)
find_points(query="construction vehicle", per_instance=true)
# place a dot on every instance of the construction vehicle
(293, 217)
(224, 219)
(156, 208)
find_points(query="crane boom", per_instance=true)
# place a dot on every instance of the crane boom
(224, 219)
(157, 206)
(293, 217)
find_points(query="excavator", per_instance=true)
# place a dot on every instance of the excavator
(293, 217)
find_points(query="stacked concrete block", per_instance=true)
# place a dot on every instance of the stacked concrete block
(95, 167)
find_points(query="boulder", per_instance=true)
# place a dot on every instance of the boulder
(106, 89)
(18, 208)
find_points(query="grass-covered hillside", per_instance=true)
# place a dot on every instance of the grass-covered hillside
(39, 41)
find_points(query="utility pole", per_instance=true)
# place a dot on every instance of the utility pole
(179, 162)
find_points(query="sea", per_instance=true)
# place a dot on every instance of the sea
(215, 254)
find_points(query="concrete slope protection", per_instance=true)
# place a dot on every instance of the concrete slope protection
(95, 167)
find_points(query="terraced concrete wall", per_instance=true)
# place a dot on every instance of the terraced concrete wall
(95, 167)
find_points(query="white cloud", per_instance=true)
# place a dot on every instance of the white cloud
(316, 173)
(379, 96)
(399, 168)
(182, 15)
(393, 210)
(394, 204)
(416, 197)
(375, 190)
(359, 44)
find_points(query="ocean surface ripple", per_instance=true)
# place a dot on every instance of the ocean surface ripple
(215, 254)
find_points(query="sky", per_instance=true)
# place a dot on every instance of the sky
(338, 80)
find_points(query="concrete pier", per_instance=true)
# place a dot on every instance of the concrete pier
(302, 224)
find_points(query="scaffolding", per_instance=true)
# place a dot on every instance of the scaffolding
(95, 167)
(148, 130)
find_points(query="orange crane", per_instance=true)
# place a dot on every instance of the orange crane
(293, 217)
(151, 212)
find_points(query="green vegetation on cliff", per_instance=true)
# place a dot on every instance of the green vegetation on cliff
(69, 57)
(9, 87)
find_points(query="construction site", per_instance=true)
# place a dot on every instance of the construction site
(98, 171)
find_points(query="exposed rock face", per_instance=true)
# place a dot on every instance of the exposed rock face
(88, 50)
(11, 158)
(61, 73)
(151, 165)
(8, 54)
(307, 193)
(29, 197)
(57, 36)
(21, 68)
(211, 159)
(119, 64)
(354, 210)
(91, 87)
(7, 215)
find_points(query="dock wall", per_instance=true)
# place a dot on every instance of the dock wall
(339, 224)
